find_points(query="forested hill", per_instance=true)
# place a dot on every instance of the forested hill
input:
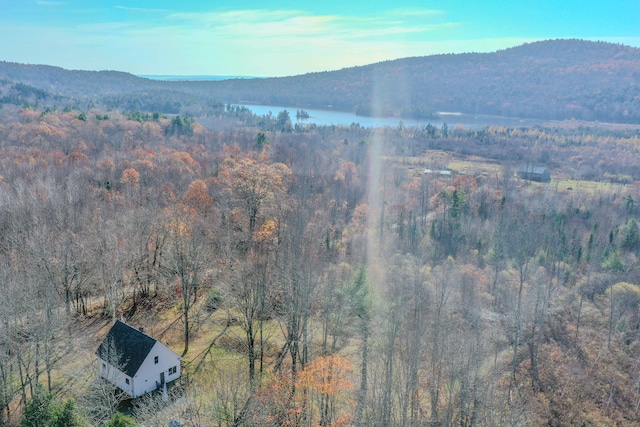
(555, 79)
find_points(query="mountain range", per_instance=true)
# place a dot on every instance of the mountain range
(553, 79)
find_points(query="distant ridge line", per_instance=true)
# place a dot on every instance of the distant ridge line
(551, 80)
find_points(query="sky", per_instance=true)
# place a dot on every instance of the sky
(282, 38)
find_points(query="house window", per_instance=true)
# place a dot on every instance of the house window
(173, 370)
(155, 360)
(126, 381)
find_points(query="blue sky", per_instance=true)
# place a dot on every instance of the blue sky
(278, 38)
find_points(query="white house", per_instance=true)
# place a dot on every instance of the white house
(135, 362)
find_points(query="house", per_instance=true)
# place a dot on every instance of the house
(533, 173)
(135, 362)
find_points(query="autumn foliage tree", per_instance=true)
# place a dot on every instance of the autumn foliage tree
(326, 379)
(319, 397)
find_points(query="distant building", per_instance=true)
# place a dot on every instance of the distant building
(533, 173)
(445, 171)
(135, 362)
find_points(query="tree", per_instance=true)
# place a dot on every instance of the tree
(254, 186)
(631, 235)
(283, 121)
(356, 303)
(522, 245)
(231, 397)
(187, 260)
(120, 420)
(440, 283)
(69, 264)
(102, 397)
(325, 378)
(181, 126)
(250, 292)
(197, 198)
(66, 415)
(8, 344)
(130, 179)
(624, 300)
(299, 276)
(43, 410)
(37, 412)
(261, 141)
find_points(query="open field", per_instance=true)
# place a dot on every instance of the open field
(477, 166)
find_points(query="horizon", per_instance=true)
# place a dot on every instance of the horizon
(158, 37)
(218, 77)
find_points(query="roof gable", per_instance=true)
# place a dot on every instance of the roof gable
(128, 347)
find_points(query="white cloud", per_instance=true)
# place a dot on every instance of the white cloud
(142, 10)
(296, 23)
(249, 42)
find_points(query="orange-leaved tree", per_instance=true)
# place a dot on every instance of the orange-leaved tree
(282, 401)
(255, 185)
(198, 198)
(324, 379)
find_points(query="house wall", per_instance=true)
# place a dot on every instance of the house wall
(115, 376)
(148, 376)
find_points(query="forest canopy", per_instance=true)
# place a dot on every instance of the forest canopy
(318, 274)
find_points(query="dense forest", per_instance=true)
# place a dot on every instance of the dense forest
(316, 275)
(554, 79)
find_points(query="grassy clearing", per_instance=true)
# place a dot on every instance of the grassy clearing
(590, 187)
(437, 159)
(477, 166)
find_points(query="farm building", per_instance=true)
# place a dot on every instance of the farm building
(533, 173)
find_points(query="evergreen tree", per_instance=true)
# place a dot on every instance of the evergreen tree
(119, 420)
(37, 412)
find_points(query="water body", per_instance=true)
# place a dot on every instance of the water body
(340, 118)
(184, 78)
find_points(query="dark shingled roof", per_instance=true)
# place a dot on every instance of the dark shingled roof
(130, 345)
(532, 169)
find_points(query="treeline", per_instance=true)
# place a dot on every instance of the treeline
(322, 280)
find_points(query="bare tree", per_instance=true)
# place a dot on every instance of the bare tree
(187, 261)
(102, 398)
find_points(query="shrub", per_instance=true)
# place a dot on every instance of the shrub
(213, 301)
(119, 420)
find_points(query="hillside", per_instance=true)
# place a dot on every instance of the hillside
(555, 79)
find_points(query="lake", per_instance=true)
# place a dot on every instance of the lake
(332, 117)
(190, 78)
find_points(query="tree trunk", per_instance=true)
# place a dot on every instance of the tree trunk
(362, 392)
